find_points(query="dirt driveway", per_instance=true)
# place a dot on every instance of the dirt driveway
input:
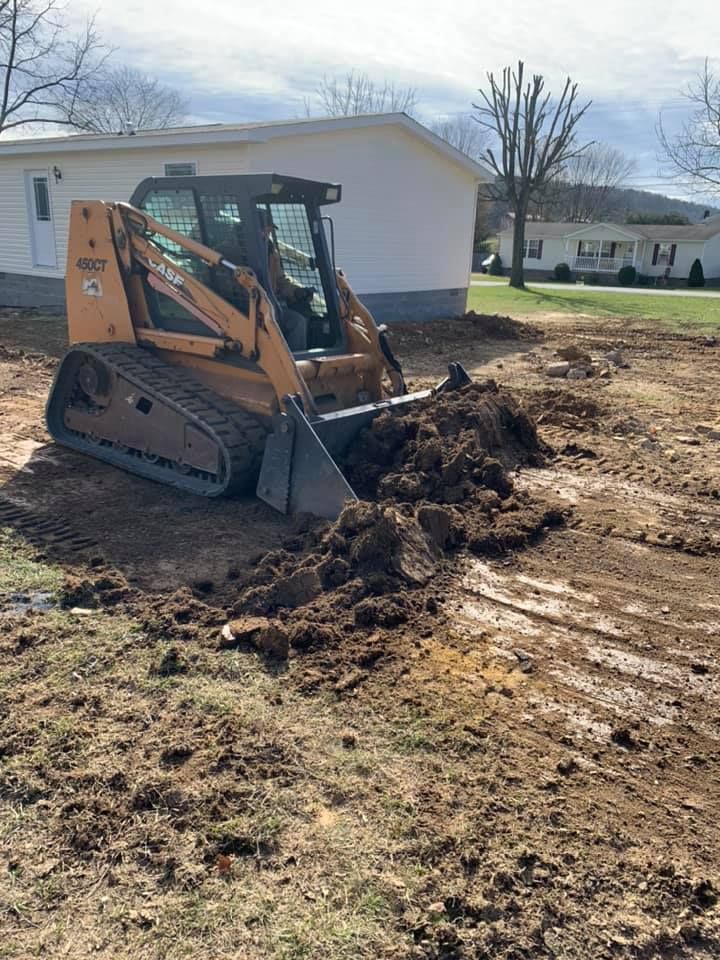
(536, 766)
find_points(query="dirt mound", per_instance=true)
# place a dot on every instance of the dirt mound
(566, 408)
(432, 480)
(445, 448)
(502, 328)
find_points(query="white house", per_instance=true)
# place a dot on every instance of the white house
(403, 231)
(603, 248)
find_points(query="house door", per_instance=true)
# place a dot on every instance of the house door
(42, 228)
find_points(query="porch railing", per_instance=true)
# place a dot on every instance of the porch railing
(600, 264)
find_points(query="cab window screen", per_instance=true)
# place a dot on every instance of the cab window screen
(296, 249)
(177, 210)
(225, 228)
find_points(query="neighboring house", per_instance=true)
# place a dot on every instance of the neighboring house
(403, 231)
(603, 248)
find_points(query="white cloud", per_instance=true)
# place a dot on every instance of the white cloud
(614, 49)
(254, 60)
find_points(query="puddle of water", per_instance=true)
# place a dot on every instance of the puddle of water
(32, 601)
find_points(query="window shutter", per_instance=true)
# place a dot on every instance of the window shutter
(656, 251)
(579, 253)
(539, 253)
(673, 248)
(613, 248)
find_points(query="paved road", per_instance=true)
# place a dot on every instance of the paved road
(578, 287)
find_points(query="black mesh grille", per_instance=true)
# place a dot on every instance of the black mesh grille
(176, 209)
(225, 228)
(296, 249)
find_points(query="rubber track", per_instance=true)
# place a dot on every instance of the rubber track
(240, 436)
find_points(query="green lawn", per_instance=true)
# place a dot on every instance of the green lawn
(489, 278)
(678, 312)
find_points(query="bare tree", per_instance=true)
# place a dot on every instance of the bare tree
(589, 179)
(585, 188)
(695, 150)
(42, 63)
(122, 97)
(463, 132)
(356, 93)
(535, 140)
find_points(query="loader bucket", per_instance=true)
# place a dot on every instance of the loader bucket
(299, 473)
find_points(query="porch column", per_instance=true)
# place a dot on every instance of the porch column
(634, 252)
(599, 255)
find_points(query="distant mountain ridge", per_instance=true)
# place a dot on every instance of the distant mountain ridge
(495, 215)
(625, 200)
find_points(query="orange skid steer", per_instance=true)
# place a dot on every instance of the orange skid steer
(214, 345)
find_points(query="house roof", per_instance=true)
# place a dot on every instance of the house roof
(697, 232)
(237, 133)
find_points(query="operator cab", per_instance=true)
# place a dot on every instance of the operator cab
(270, 223)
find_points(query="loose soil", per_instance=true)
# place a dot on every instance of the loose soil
(478, 716)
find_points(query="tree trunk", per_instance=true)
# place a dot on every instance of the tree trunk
(517, 274)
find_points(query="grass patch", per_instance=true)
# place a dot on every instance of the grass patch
(20, 571)
(685, 313)
(488, 278)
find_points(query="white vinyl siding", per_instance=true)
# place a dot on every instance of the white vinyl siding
(553, 252)
(92, 175)
(407, 214)
(685, 252)
(711, 258)
(405, 221)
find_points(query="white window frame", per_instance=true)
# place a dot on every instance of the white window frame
(177, 163)
(531, 248)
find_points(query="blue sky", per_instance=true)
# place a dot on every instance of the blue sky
(250, 61)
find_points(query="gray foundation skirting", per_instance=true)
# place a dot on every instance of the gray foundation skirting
(415, 305)
(19, 290)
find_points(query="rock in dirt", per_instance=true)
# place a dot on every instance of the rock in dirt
(265, 635)
(560, 369)
(577, 373)
(616, 358)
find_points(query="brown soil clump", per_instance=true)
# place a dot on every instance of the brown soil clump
(450, 458)
(502, 328)
(566, 408)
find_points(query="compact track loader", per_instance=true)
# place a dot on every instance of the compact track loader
(215, 347)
